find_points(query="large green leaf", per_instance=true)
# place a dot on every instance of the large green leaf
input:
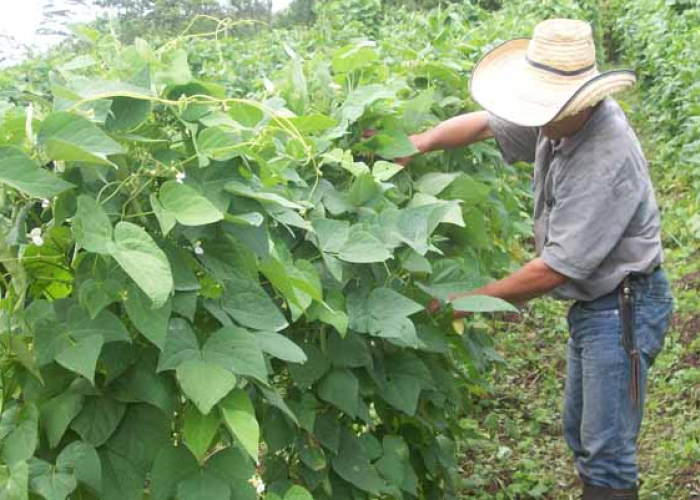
(204, 383)
(203, 485)
(14, 481)
(99, 419)
(92, 227)
(248, 304)
(239, 417)
(236, 350)
(199, 430)
(180, 345)
(22, 173)
(82, 460)
(58, 413)
(482, 303)
(143, 261)
(341, 389)
(353, 465)
(71, 137)
(171, 466)
(19, 428)
(363, 248)
(188, 206)
(50, 482)
(233, 467)
(279, 346)
(81, 357)
(152, 323)
(121, 478)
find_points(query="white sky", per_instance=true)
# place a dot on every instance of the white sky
(24, 17)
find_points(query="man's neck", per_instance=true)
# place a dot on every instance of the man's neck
(566, 127)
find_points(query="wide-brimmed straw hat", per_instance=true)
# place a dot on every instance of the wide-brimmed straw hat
(532, 82)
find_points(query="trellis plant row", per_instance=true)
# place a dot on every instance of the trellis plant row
(216, 298)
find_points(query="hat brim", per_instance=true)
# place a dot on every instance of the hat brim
(504, 84)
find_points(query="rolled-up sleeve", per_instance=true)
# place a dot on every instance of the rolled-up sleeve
(515, 142)
(588, 219)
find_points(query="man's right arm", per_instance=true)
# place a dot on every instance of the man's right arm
(456, 132)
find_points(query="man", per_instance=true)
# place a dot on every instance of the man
(597, 232)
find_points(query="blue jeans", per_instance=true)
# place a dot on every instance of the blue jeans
(601, 421)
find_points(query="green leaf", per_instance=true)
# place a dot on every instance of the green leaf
(127, 113)
(140, 436)
(316, 365)
(50, 482)
(386, 303)
(14, 481)
(392, 465)
(92, 227)
(470, 191)
(199, 430)
(233, 467)
(121, 479)
(355, 56)
(384, 170)
(173, 68)
(189, 207)
(297, 492)
(180, 345)
(22, 173)
(239, 417)
(341, 389)
(391, 144)
(165, 218)
(204, 384)
(19, 426)
(203, 485)
(58, 413)
(349, 352)
(354, 466)
(248, 304)
(171, 465)
(143, 261)
(280, 347)
(236, 350)
(363, 248)
(82, 460)
(435, 183)
(152, 323)
(82, 357)
(482, 303)
(70, 137)
(240, 189)
(331, 235)
(99, 419)
(75, 340)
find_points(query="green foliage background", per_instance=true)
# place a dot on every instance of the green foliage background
(210, 275)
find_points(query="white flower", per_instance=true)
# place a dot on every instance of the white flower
(257, 482)
(45, 203)
(198, 248)
(179, 177)
(35, 236)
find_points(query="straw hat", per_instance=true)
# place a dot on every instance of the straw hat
(554, 75)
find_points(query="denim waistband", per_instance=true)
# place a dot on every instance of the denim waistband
(611, 299)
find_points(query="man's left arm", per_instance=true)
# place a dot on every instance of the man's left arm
(530, 281)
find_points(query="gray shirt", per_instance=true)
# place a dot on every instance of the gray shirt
(596, 217)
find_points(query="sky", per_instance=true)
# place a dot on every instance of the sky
(24, 17)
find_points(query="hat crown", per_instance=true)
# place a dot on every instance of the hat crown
(563, 44)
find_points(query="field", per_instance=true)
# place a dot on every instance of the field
(214, 280)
